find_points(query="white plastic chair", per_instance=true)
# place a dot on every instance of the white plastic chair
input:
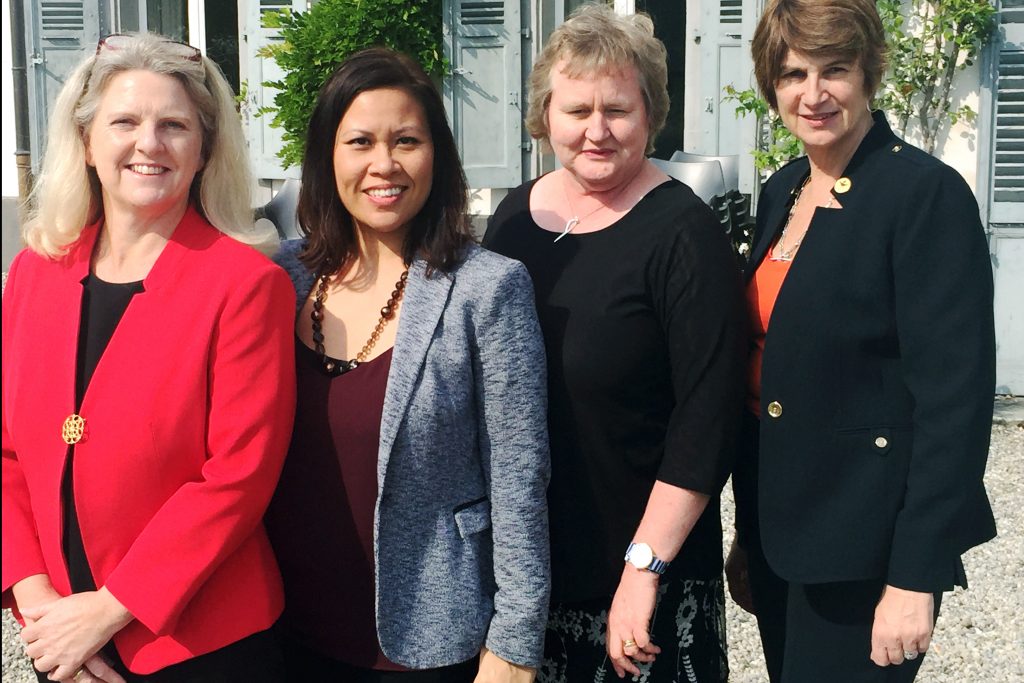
(730, 165)
(704, 177)
(280, 210)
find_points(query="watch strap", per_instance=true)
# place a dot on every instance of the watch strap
(657, 566)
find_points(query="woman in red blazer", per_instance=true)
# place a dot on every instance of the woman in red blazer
(148, 385)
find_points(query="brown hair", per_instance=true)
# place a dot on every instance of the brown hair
(593, 41)
(440, 231)
(850, 30)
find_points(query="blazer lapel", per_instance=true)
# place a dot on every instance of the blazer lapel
(424, 303)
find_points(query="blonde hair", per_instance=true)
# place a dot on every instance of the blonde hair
(596, 40)
(67, 195)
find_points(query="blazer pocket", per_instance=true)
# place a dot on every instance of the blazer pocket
(473, 517)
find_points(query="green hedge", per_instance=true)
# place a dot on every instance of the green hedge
(315, 42)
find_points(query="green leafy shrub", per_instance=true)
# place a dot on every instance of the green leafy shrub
(929, 42)
(315, 42)
(775, 145)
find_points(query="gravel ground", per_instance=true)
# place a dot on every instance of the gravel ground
(979, 637)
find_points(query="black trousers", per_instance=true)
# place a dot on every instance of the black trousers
(255, 659)
(821, 632)
(305, 665)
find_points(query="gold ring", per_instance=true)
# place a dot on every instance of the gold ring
(628, 643)
(81, 670)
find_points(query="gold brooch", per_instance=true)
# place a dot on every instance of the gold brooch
(73, 429)
(843, 185)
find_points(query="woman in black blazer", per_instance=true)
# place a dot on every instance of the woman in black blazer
(871, 389)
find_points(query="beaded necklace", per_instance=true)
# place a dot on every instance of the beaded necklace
(334, 367)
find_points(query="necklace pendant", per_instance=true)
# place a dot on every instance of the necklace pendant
(569, 225)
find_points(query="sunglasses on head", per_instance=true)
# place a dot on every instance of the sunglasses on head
(120, 41)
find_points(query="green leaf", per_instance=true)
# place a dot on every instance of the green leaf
(316, 41)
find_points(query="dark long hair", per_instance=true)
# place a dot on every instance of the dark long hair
(440, 231)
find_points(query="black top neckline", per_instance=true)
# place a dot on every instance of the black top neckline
(611, 227)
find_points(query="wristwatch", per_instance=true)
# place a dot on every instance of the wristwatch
(641, 556)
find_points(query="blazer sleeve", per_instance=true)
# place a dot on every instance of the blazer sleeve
(511, 392)
(943, 290)
(22, 556)
(250, 408)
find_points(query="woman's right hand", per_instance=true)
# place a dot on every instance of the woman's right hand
(738, 576)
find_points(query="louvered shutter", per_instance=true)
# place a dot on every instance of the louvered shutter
(60, 33)
(1008, 169)
(482, 93)
(1006, 197)
(264, 141)
(721, 60)
(721, 48)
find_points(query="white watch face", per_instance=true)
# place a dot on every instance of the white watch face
(641, 555)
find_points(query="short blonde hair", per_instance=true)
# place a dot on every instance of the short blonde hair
(850, 30)
(67, 195)
(596, 40)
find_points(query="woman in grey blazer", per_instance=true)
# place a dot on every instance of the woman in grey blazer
(410, 522)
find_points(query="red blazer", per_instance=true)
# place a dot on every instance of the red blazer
(187, 421)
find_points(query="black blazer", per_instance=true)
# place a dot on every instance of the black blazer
(881, 355)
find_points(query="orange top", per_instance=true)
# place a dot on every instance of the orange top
(762, 291)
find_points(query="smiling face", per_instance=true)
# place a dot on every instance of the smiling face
(145, 143)
(822, 101)
(597, 126)
(383, 160)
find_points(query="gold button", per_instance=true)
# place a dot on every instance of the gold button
(73, 429)
(843, 185)
(881, 442)
(775, 409)
(897, 148)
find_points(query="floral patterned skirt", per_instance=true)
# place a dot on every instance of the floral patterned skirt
(688, 625)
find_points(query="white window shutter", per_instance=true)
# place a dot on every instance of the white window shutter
(60, 34)
(264, 141)
(1008, 170)
(483, 92)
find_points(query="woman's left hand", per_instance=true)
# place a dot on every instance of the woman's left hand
(64, 633)
(629, 621)
(494, 669)
(903, 624)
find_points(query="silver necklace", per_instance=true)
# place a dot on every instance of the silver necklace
(576, 219)
(788, 254)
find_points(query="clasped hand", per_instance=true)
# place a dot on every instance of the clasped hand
(63, 636)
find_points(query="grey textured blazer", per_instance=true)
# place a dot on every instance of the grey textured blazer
(461, 526)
